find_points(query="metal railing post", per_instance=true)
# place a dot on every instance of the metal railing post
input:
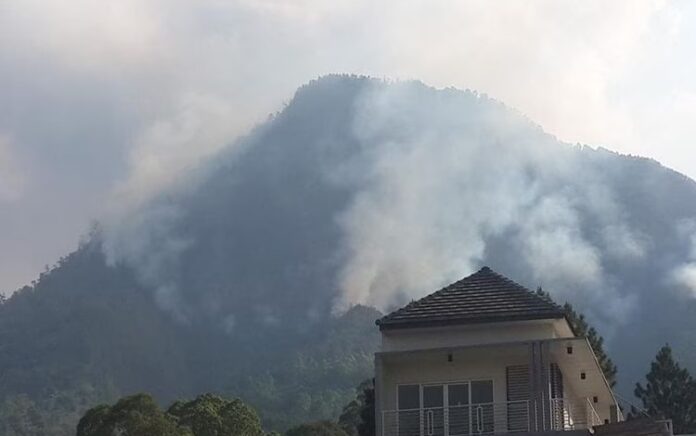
(471, 421)
(383, 421)
(420, 420)
(529, 424)
(512, 417)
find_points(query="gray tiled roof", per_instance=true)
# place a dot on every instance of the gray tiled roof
(484, 296)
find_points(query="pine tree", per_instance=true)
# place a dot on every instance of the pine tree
(582, 328)
(670, 392)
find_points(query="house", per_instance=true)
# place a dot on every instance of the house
(485, 355)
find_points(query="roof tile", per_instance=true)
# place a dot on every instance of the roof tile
(484, 296)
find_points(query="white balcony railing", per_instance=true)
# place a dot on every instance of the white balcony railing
(572, 414)
(490, 418)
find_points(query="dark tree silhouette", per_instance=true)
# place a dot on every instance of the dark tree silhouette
(358, 417)
(670, 392)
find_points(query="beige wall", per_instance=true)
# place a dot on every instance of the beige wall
(479, 352)
(433, 367)
(460, 336)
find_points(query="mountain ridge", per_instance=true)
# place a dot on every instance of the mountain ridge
(357, 192)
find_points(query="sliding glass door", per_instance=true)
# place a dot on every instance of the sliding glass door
(459, 416)
(434, 410)
(448, 409)
(410, 414)
(482, 407)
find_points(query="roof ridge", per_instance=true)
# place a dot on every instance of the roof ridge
(525, 289)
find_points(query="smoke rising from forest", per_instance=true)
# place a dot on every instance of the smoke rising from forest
(111, 103)
(439, 183)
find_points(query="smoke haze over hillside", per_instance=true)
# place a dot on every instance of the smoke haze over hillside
(107, 104)
(444, 175)
(427, 184)
(215, 206)
(374, 192)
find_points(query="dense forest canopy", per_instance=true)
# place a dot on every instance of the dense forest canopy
(240, 278)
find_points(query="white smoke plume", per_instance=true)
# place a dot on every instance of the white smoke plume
(97, 89)
(170, 158)
(146, 242)
(445, 181)
(684, 276)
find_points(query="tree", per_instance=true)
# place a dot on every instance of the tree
(19, 416)
(582, 328)
(358, 417)
(670, 392)
(319, 428)
(137, 415)
(210, 415)
(367, 414)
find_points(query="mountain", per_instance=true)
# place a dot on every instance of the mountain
(254, 275)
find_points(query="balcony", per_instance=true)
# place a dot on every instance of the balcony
(521, 417)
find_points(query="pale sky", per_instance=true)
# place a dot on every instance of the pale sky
(104, 103)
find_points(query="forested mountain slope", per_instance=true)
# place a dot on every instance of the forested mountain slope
(237, 279)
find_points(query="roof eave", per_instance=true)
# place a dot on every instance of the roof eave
(400, 325)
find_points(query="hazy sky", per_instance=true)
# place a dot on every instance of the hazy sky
(103, 103)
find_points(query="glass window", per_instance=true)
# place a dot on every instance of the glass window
(409, 397)
(482, 392)
(458, 394)
(433, 396)
(459, 409)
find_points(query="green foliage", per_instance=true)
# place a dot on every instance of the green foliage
(210, 415)
(20, 416)
(55, 413)
(137, 415)
(582, 328)
(113, 339)
(366, 427)
(317, 381)
(670, 392)
(319, 428)
(256, 281)
(358, 417)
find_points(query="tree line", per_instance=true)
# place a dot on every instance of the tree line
(669, 392)
(212, 415)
